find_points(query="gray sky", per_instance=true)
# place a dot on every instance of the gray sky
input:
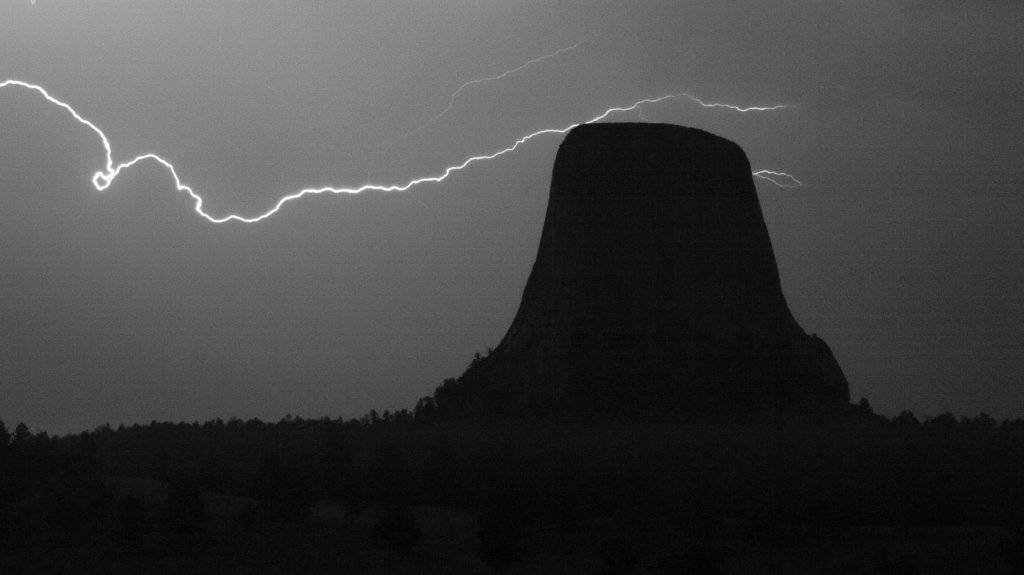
(904, 249)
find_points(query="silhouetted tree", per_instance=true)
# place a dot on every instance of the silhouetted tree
(132, 521)
(505, 520)
(247, 517)
(336, 461)
(567, 494)
(621, 555)
(702, 560)
(283, 492)
(440, 475)
(1011, 553)
(21, 435)
(5, 487)
(389, 474)
(68, 512)
(906, 420)
(425, 409)
(983, 422)
(183, 513)
(903, 564)
(92, 502)
(398, 528)
(944, 423)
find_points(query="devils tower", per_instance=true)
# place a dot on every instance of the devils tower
(655, 289)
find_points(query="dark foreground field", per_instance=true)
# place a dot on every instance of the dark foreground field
(845, 492)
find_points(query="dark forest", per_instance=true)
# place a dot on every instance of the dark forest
(422, 491)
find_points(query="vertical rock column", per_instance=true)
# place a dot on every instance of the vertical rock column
(655, 288)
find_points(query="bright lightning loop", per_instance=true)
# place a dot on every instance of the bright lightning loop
(102, 179)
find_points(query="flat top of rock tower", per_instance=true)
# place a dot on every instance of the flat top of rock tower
(658, 135)
(664, 162)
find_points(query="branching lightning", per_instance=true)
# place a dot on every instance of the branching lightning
(739, 108)
(780, 179)
(454, 96)
(102, 179)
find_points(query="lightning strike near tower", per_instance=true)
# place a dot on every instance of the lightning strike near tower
(102, 179)
(735, 108)
(780, 179)
(454, 96)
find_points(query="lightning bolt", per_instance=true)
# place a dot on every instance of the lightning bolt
(739, 108)
(454, 96)
(780, 179)
(732, 107)
(102, 179)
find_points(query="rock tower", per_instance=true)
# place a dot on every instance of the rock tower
(655, 289)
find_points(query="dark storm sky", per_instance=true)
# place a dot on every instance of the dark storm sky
(904, 250)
